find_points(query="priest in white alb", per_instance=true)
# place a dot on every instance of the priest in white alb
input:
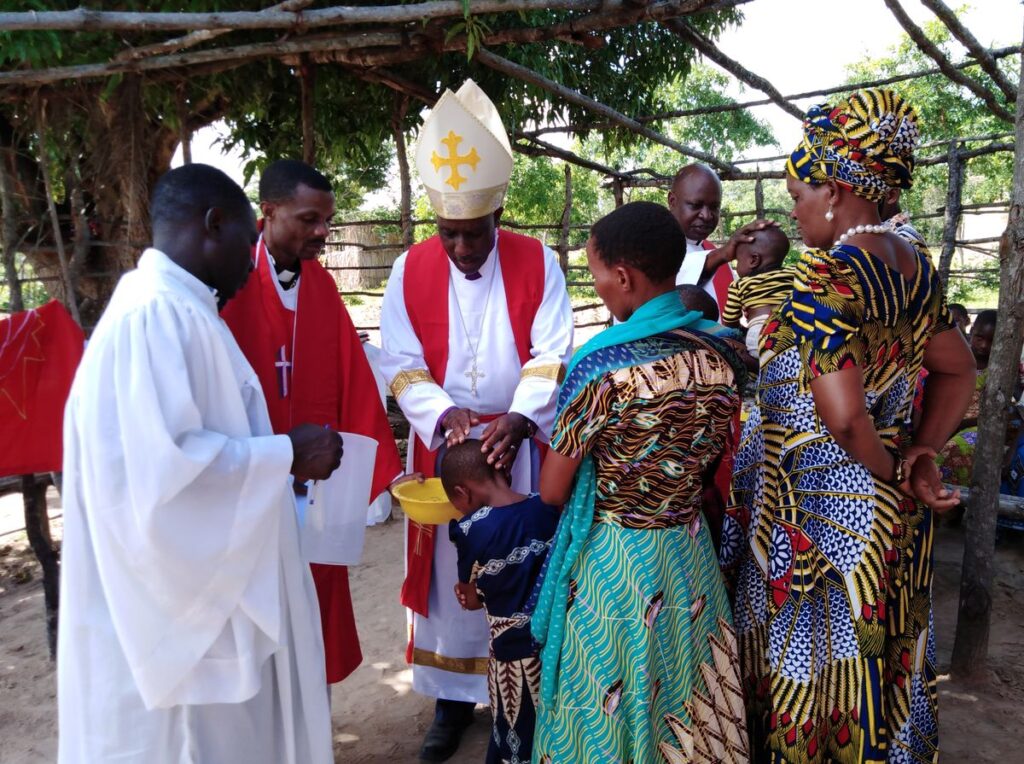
(189, 625)
(476, 329)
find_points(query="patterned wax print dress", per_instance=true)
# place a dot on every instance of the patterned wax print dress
(832, 567)
(502, 550)
(648, 668)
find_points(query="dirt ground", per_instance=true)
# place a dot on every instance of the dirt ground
(379, 720)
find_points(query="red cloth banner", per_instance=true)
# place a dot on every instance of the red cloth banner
(39, 352)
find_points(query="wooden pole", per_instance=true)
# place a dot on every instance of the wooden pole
(37, 528)
(82, 236)
(970, 648)
(512, 69)
(58, 237)
(9, 236)
(197, 37)
(307, 88)
(956, 172)
(563, 236)
(398, 133)
(759, 197)
(185, 134)
(86, 19)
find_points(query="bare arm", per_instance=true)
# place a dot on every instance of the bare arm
(727, 252)
(948, 389)
(556, 478)
(840, 401)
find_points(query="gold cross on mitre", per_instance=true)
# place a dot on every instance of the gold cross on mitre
(454, 159)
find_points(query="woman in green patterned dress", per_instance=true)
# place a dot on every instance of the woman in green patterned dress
(639, 659)
(832, 555)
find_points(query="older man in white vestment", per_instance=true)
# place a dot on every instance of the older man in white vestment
(476, 328)
(189, 627)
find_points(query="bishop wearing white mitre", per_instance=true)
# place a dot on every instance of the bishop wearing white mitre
(476, 331)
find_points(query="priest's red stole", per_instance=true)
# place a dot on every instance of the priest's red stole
(312, 368)
(39, 352)
(720, 279)
(426, 281)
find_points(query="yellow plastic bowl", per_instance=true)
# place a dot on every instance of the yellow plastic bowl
(426, 502)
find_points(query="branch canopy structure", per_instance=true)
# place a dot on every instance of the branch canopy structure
(88, 20)
(513, 69)
(397, 41)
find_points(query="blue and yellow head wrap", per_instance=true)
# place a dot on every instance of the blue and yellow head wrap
(865, 143)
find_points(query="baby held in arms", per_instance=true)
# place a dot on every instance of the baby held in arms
(763, 283)
(502, 542)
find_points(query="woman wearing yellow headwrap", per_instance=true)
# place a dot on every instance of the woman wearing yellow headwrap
(829, 550)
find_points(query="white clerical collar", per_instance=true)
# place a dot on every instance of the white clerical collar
(155, 260)
(289, 297)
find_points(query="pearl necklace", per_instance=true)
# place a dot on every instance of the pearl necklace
(853, 230)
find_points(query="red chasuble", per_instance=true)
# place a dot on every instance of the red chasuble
(426, 277)
(312, 368)
(39, 353)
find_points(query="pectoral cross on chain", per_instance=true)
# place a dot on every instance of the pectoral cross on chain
(284, 367)
(473, 375)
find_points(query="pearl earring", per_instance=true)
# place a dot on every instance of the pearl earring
(828, 214)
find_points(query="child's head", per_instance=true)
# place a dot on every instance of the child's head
(696, 298)
(983, 332)
(467, 478)
(765, 253)
(961, 317)
(632, 251)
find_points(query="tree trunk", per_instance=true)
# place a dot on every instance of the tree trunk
(70, 299)
(970, 650)
(398, 133)
(617, 192)
(9, 236)
(957, 170)
(563, 237)
(307, 78)
(37, 528)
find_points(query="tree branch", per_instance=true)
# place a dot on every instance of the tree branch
(378, 48)
(969, 41)
(512, 69)
(932, 50)
(538, 148)
(58, 238)
(87, 20)
(238, 54)
(399, 84)
(740, 105)
(195, 38)
(709, 50)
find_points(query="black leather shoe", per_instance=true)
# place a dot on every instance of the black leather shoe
(442, 741)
